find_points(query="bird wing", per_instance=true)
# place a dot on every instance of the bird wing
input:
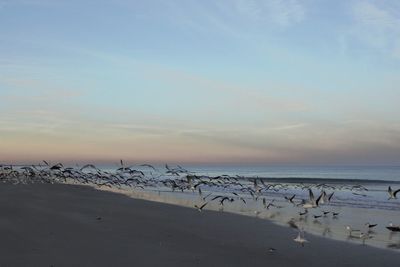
(207, 196)
(148, 165)
(222, 200)
(202, 206)
(214, 198)
(395, 192)
(311, 194)
(318, 199)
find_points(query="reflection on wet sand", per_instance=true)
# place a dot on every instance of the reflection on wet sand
(330, 225)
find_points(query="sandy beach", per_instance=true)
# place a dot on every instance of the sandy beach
(66, 225)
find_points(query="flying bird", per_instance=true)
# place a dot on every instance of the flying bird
(393, 228)
(312, 203)
(290, 199)
(392, 194)
(201, 207)
(370, 226)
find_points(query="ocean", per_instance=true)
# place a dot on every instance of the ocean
(361, 173)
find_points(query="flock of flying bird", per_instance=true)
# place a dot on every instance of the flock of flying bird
(221, 189)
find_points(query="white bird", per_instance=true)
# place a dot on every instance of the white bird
(312, 203)
(300, 238)
(323, 198)
(363, 237)
(351, 230)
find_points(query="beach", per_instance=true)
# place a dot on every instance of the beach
(69, 225)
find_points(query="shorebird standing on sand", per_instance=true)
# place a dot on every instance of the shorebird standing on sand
(351, 230)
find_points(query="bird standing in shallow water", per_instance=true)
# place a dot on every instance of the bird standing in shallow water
(351, 230)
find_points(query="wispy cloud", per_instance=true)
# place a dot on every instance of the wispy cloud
(279, 12)
(377, 25)
(236, 18)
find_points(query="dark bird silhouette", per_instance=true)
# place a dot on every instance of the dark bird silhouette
(201, 207)
(393, 194)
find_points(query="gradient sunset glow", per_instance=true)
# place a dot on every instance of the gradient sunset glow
(227, 81)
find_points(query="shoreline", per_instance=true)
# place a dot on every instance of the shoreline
(355, 210)
(280, 217)
(65, 225)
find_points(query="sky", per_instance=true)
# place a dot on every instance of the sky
(185, 81)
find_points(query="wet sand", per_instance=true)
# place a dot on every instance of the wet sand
(66, 225)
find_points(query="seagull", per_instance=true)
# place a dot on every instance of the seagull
(323, 193)
(290, 199)
(300, 238)
(303, 213)
(393, 228)
(271, 250)
(201, 207)
(149, 166)
(221, 202)
(364, 236)
(392, 194)
(216, 197)
(271, 204)
(351, 230)
(313, 203)
(330, 196)
(88, 166)
(370, 226)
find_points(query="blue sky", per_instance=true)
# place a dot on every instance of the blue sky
(230, 81)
